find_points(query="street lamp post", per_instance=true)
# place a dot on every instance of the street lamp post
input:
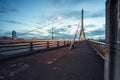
(52, 29)
(58, 18)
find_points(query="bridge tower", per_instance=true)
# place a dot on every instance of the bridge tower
(82, 33)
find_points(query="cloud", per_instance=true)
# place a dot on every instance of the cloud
(76, 14)
(69, 26)
(93, 31)
(13, 22)
(90, 25)
(7, 10)
(95, 14)
(66, 2)
(64, 36)
(98, 33)
(7, 33)
(70, 2)
(57, 31)
(62, 32)
(87, 14)
(6, 6)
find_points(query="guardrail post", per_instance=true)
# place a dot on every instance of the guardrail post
(67, 42)
(57, 43)
(48, 45)
(31, 46)
(64, 43)
(97, 47)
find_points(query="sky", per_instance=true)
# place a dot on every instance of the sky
(36, 18)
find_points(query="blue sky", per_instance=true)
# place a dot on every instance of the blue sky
(26, 15)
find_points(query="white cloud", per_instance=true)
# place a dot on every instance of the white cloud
(98, 22)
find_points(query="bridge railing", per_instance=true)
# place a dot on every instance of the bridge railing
(12, 47)
(99, 47)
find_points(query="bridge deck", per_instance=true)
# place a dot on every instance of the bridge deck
(80, 63)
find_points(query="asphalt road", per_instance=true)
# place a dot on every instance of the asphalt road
(80, 63)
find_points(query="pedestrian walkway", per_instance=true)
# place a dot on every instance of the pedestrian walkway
(80, 63)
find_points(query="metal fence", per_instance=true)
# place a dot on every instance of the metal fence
(99, 47)
(12, 47)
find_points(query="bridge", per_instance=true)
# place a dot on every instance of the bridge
(68, 59)
(80, 63)
(55, 59)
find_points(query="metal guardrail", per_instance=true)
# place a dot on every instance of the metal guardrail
(18, 46)
(99, 47)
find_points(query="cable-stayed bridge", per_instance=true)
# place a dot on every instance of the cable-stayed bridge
(62, 55)
(60, 59)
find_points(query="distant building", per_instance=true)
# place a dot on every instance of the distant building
(14, 34)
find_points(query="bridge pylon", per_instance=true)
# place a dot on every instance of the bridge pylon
(82, 33)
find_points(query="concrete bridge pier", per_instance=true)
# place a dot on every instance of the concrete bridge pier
(112, 57)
